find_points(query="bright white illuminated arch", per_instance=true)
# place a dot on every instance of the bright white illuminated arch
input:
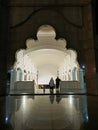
(47, 57)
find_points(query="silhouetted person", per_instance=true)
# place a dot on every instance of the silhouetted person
(51, 84)
(57, 82)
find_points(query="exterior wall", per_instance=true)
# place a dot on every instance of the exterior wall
(89, 51)
(70, 20)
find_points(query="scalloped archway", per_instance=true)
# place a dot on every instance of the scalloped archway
(47, 57)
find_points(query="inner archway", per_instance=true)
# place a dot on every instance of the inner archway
(46, 57)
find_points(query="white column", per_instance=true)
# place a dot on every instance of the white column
(12, 73)
(81, 79)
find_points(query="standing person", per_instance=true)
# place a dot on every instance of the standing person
(57, 82)
(51, 84)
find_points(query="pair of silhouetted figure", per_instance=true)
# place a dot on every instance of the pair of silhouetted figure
(52, 84)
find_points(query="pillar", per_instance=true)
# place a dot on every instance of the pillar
(12, 72)
(88, 43)
(82, 79)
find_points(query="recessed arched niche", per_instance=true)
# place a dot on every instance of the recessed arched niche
(46, 57)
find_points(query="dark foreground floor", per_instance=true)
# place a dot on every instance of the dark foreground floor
(49, 112)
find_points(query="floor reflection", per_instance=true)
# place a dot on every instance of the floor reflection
(46, 112)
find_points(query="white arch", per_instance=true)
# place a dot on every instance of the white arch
(47, 56)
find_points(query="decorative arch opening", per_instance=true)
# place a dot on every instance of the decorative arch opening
(46, 57)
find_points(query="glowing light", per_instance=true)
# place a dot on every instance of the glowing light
(87, 118)
(24, 101)
(83, 66)
(6, 119)
(70, 100)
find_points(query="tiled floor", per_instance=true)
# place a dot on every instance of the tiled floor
(49, 112)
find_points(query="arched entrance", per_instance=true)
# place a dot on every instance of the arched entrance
(47, 57)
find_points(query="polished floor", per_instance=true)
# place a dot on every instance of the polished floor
(49, 112)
